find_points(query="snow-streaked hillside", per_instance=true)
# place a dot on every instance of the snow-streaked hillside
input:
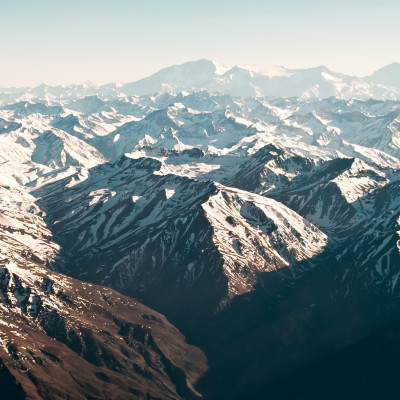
(87, 336)
(188, 232)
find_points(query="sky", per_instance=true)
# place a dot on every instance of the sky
(102, 41)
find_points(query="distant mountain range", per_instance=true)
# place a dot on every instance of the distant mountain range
(242, 81)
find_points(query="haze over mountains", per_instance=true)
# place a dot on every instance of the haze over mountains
(259, 211)
(244, 81)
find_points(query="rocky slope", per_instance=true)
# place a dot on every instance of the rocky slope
(61, 338)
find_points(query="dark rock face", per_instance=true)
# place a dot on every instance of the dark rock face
(47, 285)
(20, 292)
(53, 324)
(9, 387)
(36, 305)
(7, 126)
(193, 153)
(4, 281)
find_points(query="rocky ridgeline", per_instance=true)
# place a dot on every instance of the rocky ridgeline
(29, 300)
(92, 335)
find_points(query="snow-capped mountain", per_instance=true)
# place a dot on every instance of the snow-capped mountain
(246, 81)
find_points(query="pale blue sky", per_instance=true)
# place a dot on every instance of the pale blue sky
(58, 41)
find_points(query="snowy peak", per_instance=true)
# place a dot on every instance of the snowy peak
(59, 149)
(360, 180)
(337, 196)
(87, 105)
(270, 169)
(253, 70)
(193, 75)
(265, 235)
(26, 108)
(387, 76)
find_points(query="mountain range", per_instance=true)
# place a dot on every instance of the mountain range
(202, 233)
(241, 81)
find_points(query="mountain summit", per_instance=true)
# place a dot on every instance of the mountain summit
(387, 76)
